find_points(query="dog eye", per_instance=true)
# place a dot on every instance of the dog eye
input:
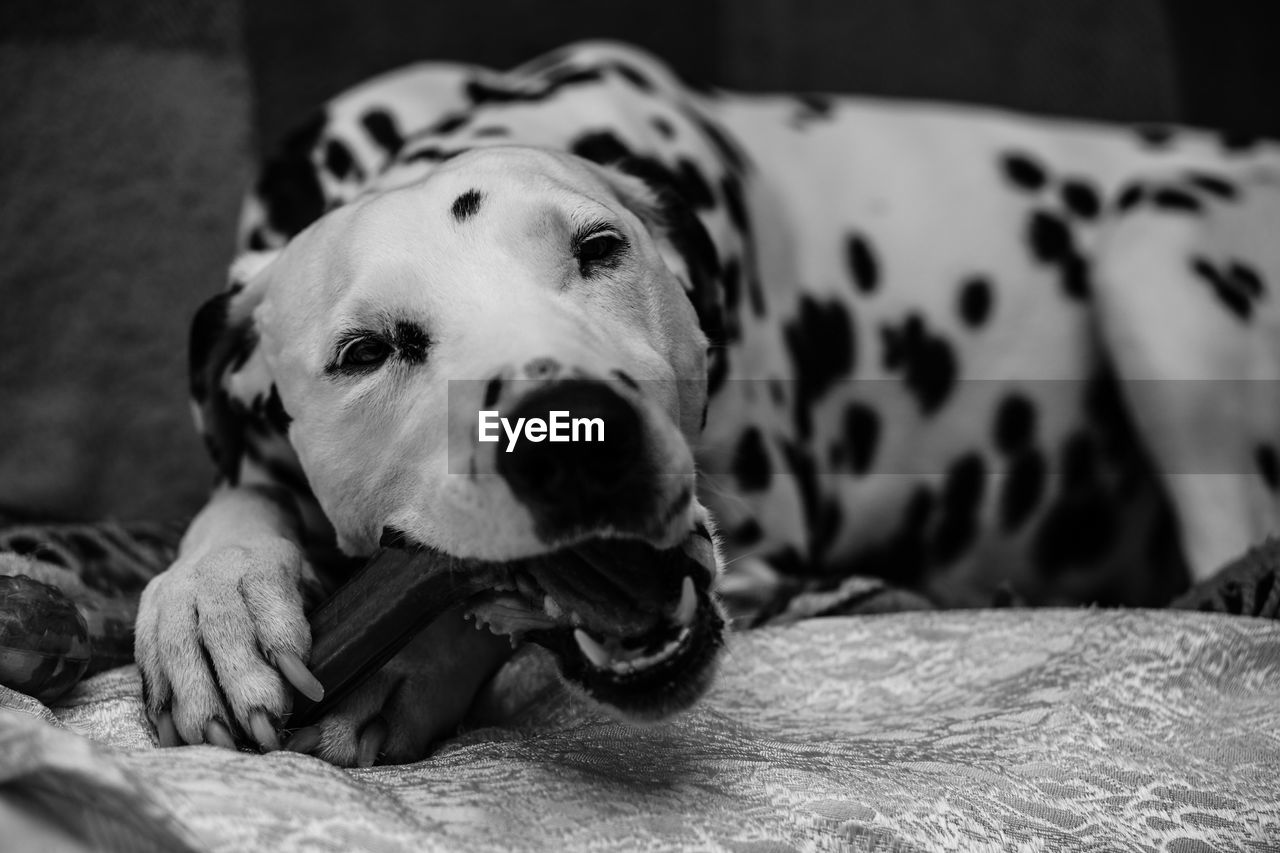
(364, 353)
(597, 250)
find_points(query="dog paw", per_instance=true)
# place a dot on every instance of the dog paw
(419, 697)
(219, 641)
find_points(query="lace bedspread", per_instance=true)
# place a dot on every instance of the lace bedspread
(980, 730)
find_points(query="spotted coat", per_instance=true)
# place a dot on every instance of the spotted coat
(957, 349)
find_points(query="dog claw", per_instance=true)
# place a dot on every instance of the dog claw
(595, 652)
(263, 731)
(166, 731)
(303, 740)
(372, 739)
(688, 606)
(217, 734)
(297, 674)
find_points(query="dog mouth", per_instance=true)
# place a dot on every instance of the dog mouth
(634, 627)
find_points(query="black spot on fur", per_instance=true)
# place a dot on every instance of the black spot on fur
(1154, 135)
(862, 434)
(755, 290)
(1077, 282)
(490, 131)
(288, 185)
(1214, 185)
(625, 379)
(1172, 198)
(1023, 488)
(751, 466)
(1015, 424)
(1081, 198)
(382, 128)
(1049, 237)
(563, 77)
(430, 154)
(731, 187)
(1023, 171)
(449, 124)
(727, 148)
(1268, 466)
(1246, 278)
(1237, 287)
(862, 262)
(1130, 196)
(1237, 142)
(962, 494)
(215, 349)
(927, 361)
(492, 390)
(600, 147)
(339, 162)
(731, 284)
(965, 484)
(466, 205)
(633, 76)
(822, 347)
(207, 329)
(690, 239)
(693, 186)
(811, 108)
(274, 412)
(974, 304)
(1080, 526)
(480, 92)
(1114, 430)
(731, 279)
(1051, 243)
(665, 128)
(411, 341)
(257, 240)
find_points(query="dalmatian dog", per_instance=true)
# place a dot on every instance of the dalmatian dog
(834, 342)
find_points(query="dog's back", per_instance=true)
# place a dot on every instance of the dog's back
(954, 340)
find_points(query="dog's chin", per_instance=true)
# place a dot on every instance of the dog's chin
(633, 627)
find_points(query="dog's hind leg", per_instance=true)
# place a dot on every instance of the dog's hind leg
(1188, 299)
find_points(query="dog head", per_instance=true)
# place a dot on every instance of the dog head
(510, 288)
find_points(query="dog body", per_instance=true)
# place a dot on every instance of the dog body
(947, 348)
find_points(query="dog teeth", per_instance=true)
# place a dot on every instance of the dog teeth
(639, 661)
(688, 605)
(595, 652)
(551, 607)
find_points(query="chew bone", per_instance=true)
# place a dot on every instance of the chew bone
(364, 623)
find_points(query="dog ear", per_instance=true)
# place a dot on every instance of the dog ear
(231, 390)
(652, 192)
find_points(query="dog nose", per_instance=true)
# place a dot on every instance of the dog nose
(600, 453)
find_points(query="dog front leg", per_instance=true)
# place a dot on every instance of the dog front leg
(222, 634)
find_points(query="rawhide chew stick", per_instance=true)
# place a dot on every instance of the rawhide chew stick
(377, 612)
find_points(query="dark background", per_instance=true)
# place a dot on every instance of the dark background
(129, 128)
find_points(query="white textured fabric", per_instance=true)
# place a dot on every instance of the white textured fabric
(1000, 730)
